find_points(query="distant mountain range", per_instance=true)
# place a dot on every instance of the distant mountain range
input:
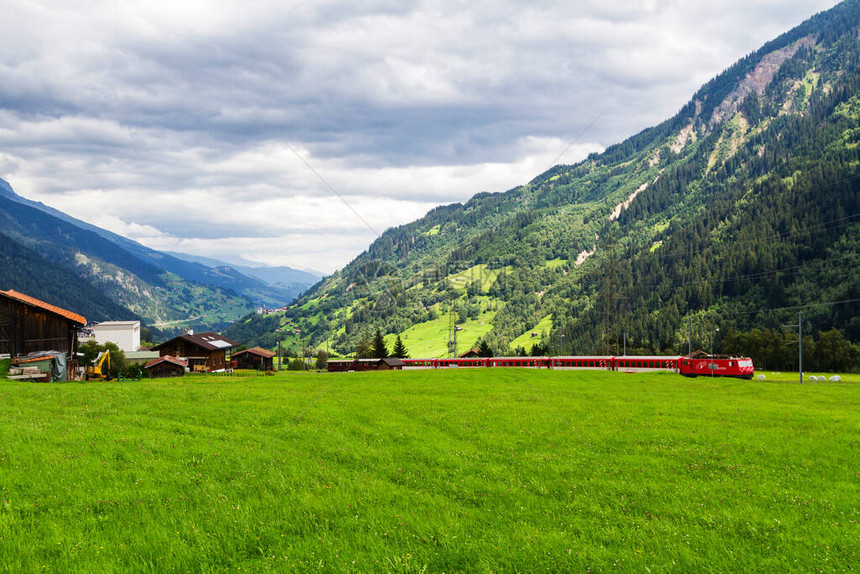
(53, 256)
(271, 275)
(731, 217)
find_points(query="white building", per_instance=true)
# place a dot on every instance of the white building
(125, 334)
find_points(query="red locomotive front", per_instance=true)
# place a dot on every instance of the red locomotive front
(717, 366)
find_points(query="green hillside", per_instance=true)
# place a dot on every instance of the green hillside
(732, 216)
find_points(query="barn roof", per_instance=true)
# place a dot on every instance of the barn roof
(209, 341)
(33, 302)
(166, 359)
(259, 351)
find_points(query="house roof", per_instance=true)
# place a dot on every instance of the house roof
(33, 302)
(116, 324)
(209, 341)
(166, 359)
(259, 351)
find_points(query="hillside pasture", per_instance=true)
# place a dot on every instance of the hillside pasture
(527, 341)
(430, 471)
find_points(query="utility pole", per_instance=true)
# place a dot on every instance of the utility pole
(279, 352)
(610, 307)
(800, 344)
(561, 349)
(689, 336)
(452, 331)
(712, 364)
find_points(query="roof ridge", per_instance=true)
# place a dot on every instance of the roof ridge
(12, 294)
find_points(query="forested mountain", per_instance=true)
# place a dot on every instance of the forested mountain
(257, 288)
(731, 217)
(53, 259)
(57, 258)
(25, 271)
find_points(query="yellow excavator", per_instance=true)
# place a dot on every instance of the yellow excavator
(101, 370)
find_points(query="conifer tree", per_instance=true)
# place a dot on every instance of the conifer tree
(399, 349)
(379, 351)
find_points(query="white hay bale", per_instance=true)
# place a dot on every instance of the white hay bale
(835, 379)
(761, 378)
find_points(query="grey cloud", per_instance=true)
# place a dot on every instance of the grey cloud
(136, 101)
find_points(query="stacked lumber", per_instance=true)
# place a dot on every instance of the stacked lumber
(27, 374)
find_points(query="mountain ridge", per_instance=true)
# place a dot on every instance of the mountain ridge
(259, 290)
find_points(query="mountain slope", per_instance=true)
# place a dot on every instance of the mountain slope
(259, 290)
(27, 272)
(47, 251)
(732, 215)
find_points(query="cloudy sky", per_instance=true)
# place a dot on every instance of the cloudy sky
(291, 133)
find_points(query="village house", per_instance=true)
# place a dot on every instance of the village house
(125, 334)
(204, 352)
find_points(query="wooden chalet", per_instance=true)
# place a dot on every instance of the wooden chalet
(343, 365)
(165, 367)
(471, 353)
(28, 325)
(253, 358)
(203, 352)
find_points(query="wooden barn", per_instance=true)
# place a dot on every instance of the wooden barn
(253, 358)
(204, 352)
(28, 325)
(165, 367)
(341, 365)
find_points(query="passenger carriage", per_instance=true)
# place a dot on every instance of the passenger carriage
(646, 364)
(586, 362)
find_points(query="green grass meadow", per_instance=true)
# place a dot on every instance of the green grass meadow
(502, 470)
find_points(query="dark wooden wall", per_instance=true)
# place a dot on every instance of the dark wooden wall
(251, 361)
(25, 329)
(165, 370)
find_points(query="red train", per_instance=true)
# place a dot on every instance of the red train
(693, 366)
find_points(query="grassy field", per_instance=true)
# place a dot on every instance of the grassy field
(431, 471)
